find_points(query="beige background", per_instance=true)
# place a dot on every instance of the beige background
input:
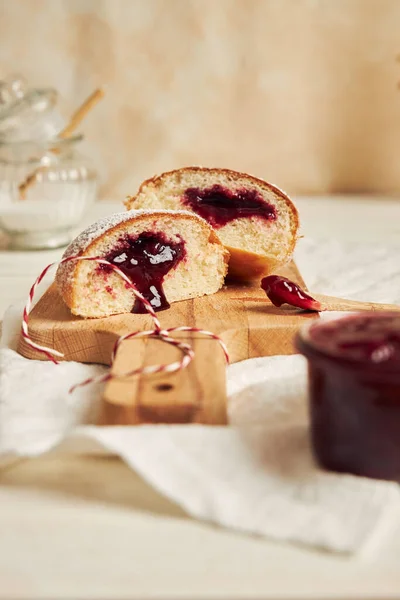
(301, 92)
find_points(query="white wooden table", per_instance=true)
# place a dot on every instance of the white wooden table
(88, 527)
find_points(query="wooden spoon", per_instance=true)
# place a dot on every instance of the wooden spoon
(331, 303)
(339, 304)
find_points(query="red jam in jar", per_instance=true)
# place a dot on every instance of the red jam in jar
(354, 392)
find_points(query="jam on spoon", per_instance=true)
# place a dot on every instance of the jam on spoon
(281, 290)
(219, 205)
(146, 260)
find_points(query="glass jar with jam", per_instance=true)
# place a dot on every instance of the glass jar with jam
(354, 392)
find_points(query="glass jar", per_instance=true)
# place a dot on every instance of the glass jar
(45, 188)
(354, 392)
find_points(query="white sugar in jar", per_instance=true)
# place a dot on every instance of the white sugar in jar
(46, 184)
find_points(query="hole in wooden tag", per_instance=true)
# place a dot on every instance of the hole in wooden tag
(163, 387)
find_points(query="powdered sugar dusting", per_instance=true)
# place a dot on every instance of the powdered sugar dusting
(97, 229)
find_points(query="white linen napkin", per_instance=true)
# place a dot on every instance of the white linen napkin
(257, 475)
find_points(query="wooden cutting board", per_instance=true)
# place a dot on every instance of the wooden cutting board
(198, 393)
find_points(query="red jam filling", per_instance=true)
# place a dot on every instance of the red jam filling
(281, 290)
(146, 260)
(370, 339)
(219, 205)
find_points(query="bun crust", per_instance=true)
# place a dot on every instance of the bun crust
(97, 239)
(246, 238)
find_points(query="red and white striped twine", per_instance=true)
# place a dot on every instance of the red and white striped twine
(157, 332)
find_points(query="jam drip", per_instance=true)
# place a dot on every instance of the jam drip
(281, 290)
(146, 260)
(366, 339)
(219, 205)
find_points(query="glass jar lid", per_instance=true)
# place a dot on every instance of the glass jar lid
(27, 113)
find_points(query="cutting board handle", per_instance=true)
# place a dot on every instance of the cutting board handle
(196, 394)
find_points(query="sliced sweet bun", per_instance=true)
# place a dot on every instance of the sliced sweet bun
(256, 221)
(163, 252)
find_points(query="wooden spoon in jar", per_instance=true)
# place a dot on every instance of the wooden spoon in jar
(75, 120)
